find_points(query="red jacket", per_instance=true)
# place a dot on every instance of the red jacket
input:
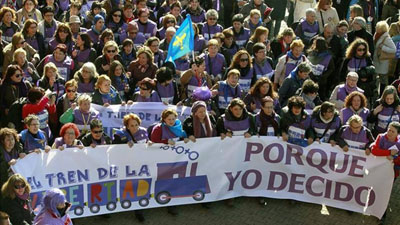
(375, 150)
(30, 108)
(156, 135)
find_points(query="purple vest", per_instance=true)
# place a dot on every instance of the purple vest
(64, 67)
(159, 58)
(153, 97)
(49, 32)
(33, 42)
(60, 142)
(270, 130)
(384, 143)
(86, 87)
(322, 66)
(161, 33)
(196, 18)
(386, 116)
(166, 93)
(355, 141)
(82, 56)
(93, 36)
(226, 93)
(199, 45)
(148, 30)
(263, 71)
(242, 37)
(355, 64)
(182, 65)
(214, 66)
(298, 130)
(291, 64)
(320, 127)
(342, 92)
(346, 113)
(7, 35)
(209, 31)
(245, 81)
(193, 84)
(309, 30)
(237, 127)
(82, 120)
(64, 5)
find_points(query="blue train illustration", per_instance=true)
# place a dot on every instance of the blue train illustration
(171, 182)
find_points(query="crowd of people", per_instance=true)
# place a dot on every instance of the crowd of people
(330, 76)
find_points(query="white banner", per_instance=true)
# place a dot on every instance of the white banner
(118, 178)
(149, 112)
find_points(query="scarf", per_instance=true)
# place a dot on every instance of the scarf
(309, 100)
(324, 120)
(143, 68)
(290, 55)
(110, 96)
(349, 89)
(266, 121)
(8, 156)
(244, 71)
(195, 12)
(229, 116)
(229, 89)
(21, 88)
(197, 126)
(377, 36)
(176, 129)
(24, 196)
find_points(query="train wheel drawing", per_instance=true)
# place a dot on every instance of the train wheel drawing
(198, 195)
(95, 208)
(111, 206)
(126, 204)
(78, 211)
(163, 197)
(144, 202)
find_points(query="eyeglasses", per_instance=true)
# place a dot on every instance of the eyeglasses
(170, 21)
(116, 15)
(212, 18)
(70, 133)
(361, 49)
(144, 88)
(69, 90)
(97, 131)
(19, 186)
(18, 75)
(244, 60)
(111, 51)
(132, 32)
(22, 42)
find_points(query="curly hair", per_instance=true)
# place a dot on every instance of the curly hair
(255, 90)
(349, 99)
(131, 116)
(4, 132)
(66, 126)
(351, 50)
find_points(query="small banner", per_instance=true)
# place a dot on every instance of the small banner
(149, 112)
(116, 178)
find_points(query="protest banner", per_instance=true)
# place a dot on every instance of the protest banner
(117, 178)
(149, 112)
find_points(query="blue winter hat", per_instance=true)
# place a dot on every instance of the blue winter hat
(97, 18)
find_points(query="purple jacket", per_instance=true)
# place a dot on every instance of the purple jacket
(50, 218)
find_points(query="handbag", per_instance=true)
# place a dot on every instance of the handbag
(382, 55)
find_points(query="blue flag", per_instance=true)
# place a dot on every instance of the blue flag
(182, 42)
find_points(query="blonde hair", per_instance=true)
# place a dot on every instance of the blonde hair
(233, 72)
(255, 12)
(168, 112)
(258, 32)
(8, 187)
(92, 68)
(146, 50)
(382, 27)
(110, 44)
(296, 43)
(49, 66)
(213, 42)
(84, 98)
(101, 79)
(17, 52)
(71, 83)
(355, 118)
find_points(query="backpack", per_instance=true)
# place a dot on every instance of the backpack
(14, 118)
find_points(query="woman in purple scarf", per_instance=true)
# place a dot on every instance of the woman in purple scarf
(169, 130)
(54, 209)
(16, 201)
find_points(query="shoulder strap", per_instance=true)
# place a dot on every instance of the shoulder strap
(322, 18)
(327, 128)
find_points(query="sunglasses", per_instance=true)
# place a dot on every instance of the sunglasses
(144, 89)
(18, 75)
(97, 131)
(132, 32)
(19, 186)
(361, 49)
(111, 51)
(22, 42)
(116, 15)
(64, 31)
(212, 18)
(69, 90)
(244, 60)
(170, 21)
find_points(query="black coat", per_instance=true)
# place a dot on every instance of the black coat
(19, 210)
(364, 34)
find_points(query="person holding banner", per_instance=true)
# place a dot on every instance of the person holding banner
(10, 150)
(16, 201)
(267, 120)
(32, 138)
(325, 122)
(261, 89)
(355, 104)
(200, 124)
(81, 116)
(169, 130)
(354, 135)
(236, 121)
(146, 92)
(54, 209)
(105, 94)
(295, 122)
(96, 135)
(68, 138)
(132, 132)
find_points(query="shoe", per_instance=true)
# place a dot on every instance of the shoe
(139, 216)
(173, 210)
(262, 201)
